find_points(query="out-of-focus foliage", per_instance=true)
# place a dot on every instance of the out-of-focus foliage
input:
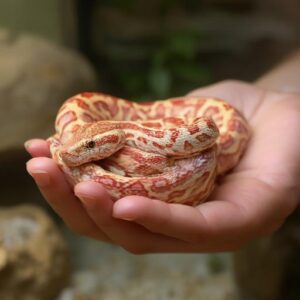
(172, 67)
(162, 48)
(215, 263)
(157, 64)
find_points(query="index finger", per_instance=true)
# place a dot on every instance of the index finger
(37, 148)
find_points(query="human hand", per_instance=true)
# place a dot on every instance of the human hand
(251, 201)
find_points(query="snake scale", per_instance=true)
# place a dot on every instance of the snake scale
(172, 150)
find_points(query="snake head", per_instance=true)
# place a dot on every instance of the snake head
(89, 144)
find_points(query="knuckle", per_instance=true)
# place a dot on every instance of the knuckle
(80, 230)
(288, 96)
(195, 238)
(286, 102)
(273, 226)
(90, 231)
(239, 242)
(136, 249)
(160, 225)
(231, 82)
(235, 84)
(252, 229)
(235, 246)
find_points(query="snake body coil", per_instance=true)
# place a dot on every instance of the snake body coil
(170, 150)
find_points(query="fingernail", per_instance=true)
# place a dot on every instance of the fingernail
(27, 144)
(83, 198)
(124, 218)
(41, 177)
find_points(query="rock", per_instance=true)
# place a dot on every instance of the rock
(105, 271)
(36, 76)
(34, 262)
(218, 287)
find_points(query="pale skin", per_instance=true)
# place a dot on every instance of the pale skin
(251, 201)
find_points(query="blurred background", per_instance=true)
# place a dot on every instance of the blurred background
(139, 50)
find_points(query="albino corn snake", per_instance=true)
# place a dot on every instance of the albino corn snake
(170, 150)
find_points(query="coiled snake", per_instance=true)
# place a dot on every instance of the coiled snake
(170, 150)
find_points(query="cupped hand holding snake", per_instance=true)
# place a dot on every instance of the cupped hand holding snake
(252, 200)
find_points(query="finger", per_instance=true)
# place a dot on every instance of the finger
(37, 148)
(240, 217)
(172, 220)
(182, 222)
(132, 237)
(61, 198)
(175, 220)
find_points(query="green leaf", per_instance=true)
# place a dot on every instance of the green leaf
(191, 72)
(215, 264)
(160, 82)
(183, 45)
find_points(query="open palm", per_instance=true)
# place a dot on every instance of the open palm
(253, 200)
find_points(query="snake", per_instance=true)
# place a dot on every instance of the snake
(173, 150)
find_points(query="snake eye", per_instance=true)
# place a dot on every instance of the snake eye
(91, 144)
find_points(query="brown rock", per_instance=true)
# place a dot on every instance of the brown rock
(34, 262)
(36, 76)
